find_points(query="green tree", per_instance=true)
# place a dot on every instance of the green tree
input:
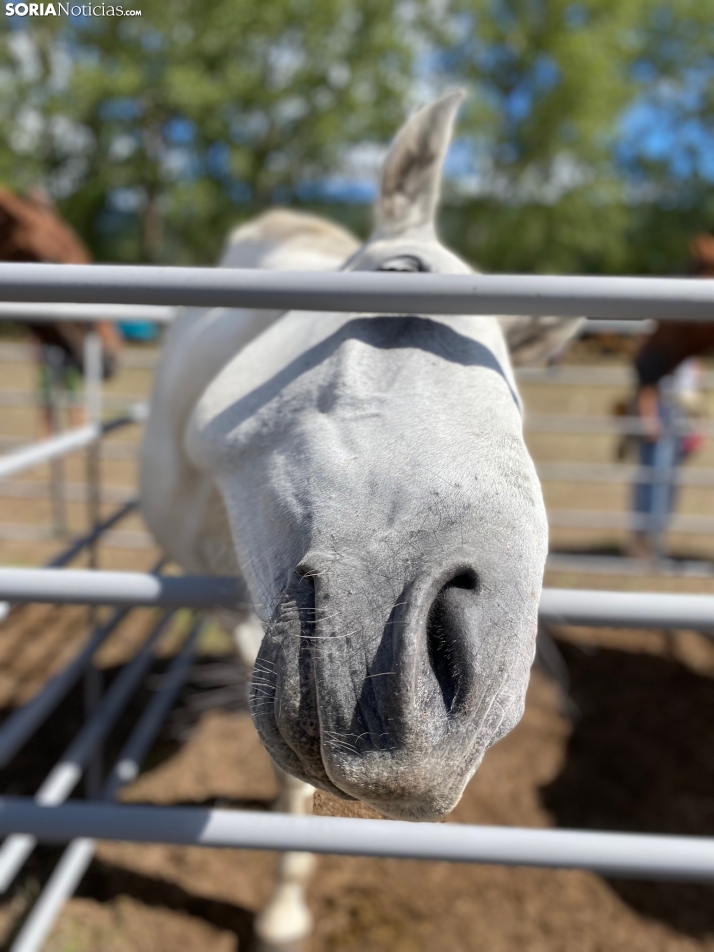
(195, 114)
(158, 133)
(562, 182)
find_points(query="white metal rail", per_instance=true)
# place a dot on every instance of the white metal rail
(50, 312)
(63, 778)
(110, 280)
(676, 299)
(55, 447)
(89, 587)
(69, 871)
(612, 854)
(25, 398)
(24, 721)
(557, 605)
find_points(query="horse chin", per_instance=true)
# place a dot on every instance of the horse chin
(402, 782)
(402, 787)
(356, 785)
(395, 793)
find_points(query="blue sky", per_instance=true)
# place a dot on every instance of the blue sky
(664, 127)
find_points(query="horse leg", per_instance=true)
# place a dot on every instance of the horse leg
(286, 921)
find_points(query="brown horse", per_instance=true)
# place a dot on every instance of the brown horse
(31, 230)
(674, 341)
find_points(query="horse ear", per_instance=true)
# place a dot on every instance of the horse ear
(534, 340)
(411, 175)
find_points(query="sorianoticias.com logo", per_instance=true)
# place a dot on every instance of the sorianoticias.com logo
(68, 9)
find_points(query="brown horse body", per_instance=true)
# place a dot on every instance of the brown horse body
(670, 344)
(31, 230)
(675, 341)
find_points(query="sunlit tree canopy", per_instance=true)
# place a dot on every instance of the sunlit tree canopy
(585, 143)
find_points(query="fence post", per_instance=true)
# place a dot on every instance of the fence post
(51, 369)
(93, 681)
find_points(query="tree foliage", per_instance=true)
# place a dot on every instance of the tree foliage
(573, 171)
(197, 113)
(584, 144)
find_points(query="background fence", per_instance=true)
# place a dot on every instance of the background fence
(49, 817)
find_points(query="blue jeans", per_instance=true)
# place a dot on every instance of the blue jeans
(653, 501)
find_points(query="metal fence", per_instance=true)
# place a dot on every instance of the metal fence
(49, 817)
(673, 299)
(609, 524)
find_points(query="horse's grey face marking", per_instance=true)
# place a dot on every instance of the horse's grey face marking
(388, 521)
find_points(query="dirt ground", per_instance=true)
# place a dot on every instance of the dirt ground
(635, 755)
(633, 749)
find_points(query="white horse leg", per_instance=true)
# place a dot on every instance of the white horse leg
(286, 921)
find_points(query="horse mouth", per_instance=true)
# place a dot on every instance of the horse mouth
(295, 749)
(283, 691)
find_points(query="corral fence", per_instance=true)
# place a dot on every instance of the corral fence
(605, 525)
(31, 290)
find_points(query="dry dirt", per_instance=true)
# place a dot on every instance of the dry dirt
(634, 752)
(637, 755)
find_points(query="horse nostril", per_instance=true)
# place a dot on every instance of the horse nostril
(467, 580)
(446, 631)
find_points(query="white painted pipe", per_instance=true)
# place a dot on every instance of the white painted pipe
(686, 858)
(93, 377)
(55, 447)
(629, 566)
(612, 519)
(28, 398)
(41, 313)
(581, 424)
(23, 722)
(51, 448)
(600, 473)
(558, 606)
(677, 299)
(64, 880)
(564, 606)
(83, 586)
(626, 328)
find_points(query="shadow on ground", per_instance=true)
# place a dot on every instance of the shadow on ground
(641, 759)
(211, 685)
(105, 882)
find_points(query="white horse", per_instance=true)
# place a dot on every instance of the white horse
(366, 476)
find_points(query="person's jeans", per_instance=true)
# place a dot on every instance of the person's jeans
(653, 501)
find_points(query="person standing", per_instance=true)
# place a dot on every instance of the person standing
(667, 408)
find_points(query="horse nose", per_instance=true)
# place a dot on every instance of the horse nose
(434, 629)
(438, 636)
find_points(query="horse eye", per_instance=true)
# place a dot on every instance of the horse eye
(403, 263)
